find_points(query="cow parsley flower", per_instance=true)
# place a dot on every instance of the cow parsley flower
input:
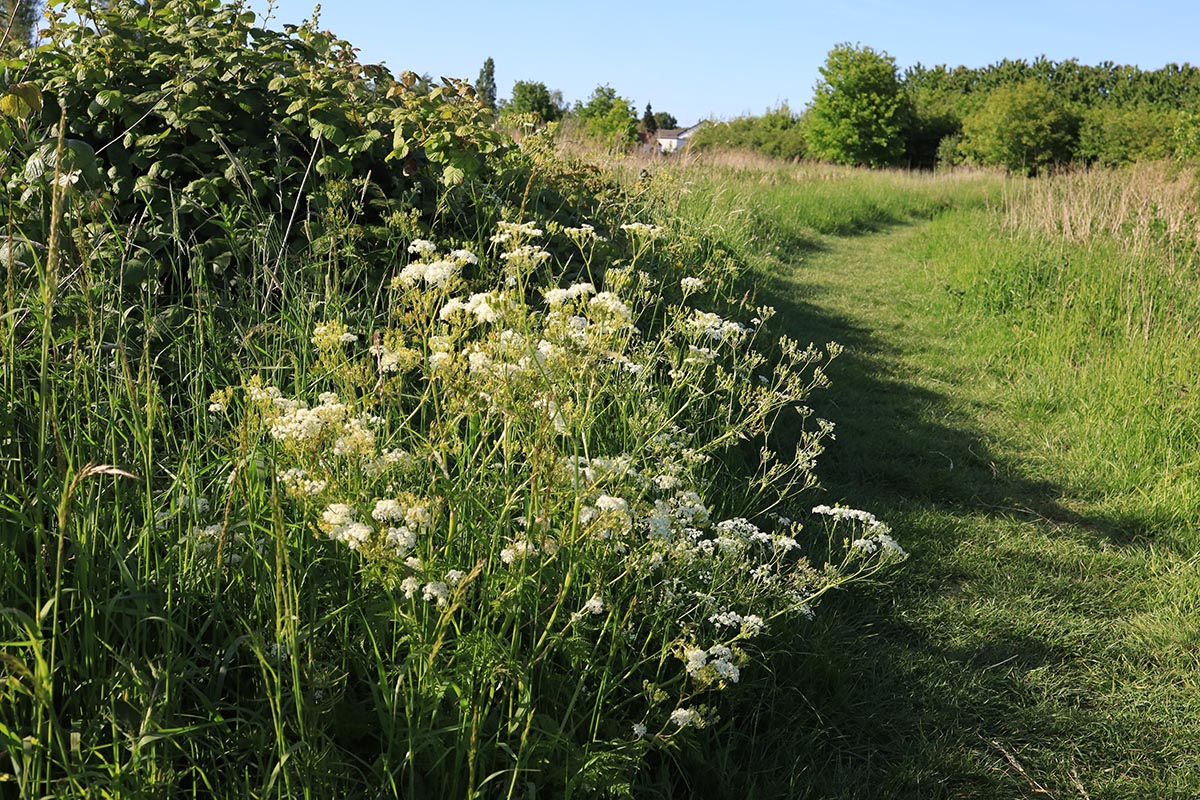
(614, 504)
(638, 229)
(752, 625)
(695, 659)
(682, 717)
(436, 591)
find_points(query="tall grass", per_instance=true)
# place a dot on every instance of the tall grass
(1096, 273)
(518, 519)
(1018, 398)
(767, 213)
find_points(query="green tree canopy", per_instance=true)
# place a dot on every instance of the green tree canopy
(532, 97)
(665, 121)
(649, 121)
(20, 20)
(1021, 127)
(608, 117)
(485, 87)
(859, 114)
(1112, 135)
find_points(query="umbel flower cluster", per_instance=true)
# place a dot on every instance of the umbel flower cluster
(560, 478)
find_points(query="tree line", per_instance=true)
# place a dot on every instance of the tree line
(605, 116)
(1022, 115)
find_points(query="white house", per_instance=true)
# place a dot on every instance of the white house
(673, 139)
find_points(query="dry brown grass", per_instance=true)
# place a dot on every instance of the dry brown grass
(1147, 208)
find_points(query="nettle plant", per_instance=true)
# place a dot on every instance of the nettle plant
(539, 479)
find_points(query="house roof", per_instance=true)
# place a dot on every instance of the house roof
(678, 133)
(671, 133)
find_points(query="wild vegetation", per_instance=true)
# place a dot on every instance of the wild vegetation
(1012, 397)
(350, 448)
(1018, 115)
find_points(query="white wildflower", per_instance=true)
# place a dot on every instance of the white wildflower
(354, 534)
(641, 229)
(728, 619)
(868, 546)
(338, 514)
(387, 509)
(436, 591)
(614, 504)
(403, 539)
(682, 717)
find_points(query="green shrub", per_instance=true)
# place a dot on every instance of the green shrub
(859, 113)
(1022, 127)
(778, 133)
(223, 126)
(1111, 136)
(608, 119)
(1185, 139)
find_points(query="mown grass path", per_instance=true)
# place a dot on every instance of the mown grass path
(1034, 644)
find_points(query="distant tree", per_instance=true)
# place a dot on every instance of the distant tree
(532, 97)
(649, 122)
(859, 113)
(1022, 127)
(485, 87)
(665, 121)
(608, 118)
(20, 20)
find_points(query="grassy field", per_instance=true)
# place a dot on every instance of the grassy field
(515, 500)
(1015, 399)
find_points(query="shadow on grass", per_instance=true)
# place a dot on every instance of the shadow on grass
(917, 686)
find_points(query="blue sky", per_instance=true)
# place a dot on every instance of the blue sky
(704, 59)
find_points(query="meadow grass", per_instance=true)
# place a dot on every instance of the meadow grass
(1014, 393)
(536, 513)
(511, 519)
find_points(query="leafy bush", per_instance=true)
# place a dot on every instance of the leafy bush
(778, 133)
(1115, 136)
(1185, 139)
(859, 111)
(222, 126)
(608, 118)
(1022, 128)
